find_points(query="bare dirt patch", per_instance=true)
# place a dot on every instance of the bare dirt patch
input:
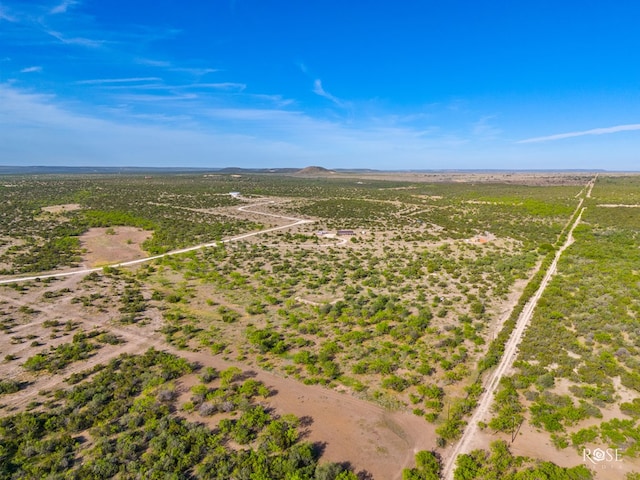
(350, 429)
(483, 238)
(68, 207)
(7, 243)
(112, 245)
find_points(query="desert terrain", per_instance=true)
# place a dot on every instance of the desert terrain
(368, 305)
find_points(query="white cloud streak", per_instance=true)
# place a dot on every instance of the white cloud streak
(196, 72)
(238, 87)
(63, 7)
(255, 114)
(277, 100)
(4, 15)
(153, 63)
(319, 90)
(102, 81)
(84, 42)
(593, 131)
(171, 97)
(35, 69)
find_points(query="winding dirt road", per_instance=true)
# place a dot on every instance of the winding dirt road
(84, 271)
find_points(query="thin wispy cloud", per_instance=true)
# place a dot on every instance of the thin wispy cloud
(593, 131)
(485, 130)
(239, 87)
(319, 90)
(35, 69)
(5, 15)
(143, 83)
(254, 114)
(101, 81)
(84, 42)
(63, 7)
(197, 72)
(172, 97)
(277, 100)
(153, 63)
(36, 21)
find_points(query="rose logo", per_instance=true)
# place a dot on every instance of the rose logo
(598, 455)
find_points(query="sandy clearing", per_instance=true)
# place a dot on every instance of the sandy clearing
(366, 435)
(317, 303)
(68, 207)
(103, 247)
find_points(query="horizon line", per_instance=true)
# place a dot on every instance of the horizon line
(280, 169)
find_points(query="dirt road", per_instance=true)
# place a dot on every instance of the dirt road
(510, 350)
(84, 271)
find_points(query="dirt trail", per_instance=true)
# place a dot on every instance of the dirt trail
(590, 185)
(295, 222)
(617, 205)
(510, 350)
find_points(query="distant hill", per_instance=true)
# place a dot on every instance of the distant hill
(319, 171)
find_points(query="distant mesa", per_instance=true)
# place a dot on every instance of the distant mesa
(315, 171)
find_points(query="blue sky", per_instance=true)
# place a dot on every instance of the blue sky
(388, 85)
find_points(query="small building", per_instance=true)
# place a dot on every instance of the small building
(345, 232)
(235, 194)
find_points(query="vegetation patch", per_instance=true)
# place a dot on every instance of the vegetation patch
(121, 422)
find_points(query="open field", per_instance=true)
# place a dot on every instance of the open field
(377, 310)
(104, 246)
